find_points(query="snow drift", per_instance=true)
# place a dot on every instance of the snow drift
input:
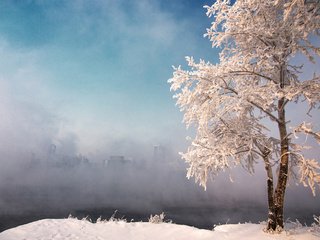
(71, 228)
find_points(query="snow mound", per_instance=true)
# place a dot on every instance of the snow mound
(58, 229)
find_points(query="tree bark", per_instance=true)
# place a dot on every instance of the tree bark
(283, 170)
(272, 223)
(280, 190)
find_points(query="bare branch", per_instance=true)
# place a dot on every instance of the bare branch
(245, 72)
(272, 117)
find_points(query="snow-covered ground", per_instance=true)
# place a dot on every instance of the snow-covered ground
(71, 228)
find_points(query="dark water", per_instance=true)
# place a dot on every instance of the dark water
(204, 218)
(134, 197)
(201, 218)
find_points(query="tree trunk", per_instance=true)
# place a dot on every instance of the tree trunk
(283, 170)
(276, 202)
(272, 223)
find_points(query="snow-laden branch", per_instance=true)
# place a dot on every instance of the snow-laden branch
(309, 173)
(307, 129)
(253, 80)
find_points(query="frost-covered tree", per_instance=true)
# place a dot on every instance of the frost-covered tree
(255, 80)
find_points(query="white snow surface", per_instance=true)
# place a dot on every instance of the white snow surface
(56, 229)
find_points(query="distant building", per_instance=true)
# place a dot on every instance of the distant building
(159, 153)
(52, 149)
(58, 160)
(118, 161)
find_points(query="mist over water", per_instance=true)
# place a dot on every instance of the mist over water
(57, 184)
(43, 174)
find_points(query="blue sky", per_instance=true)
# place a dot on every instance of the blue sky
(87, 73)
(99, 69)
